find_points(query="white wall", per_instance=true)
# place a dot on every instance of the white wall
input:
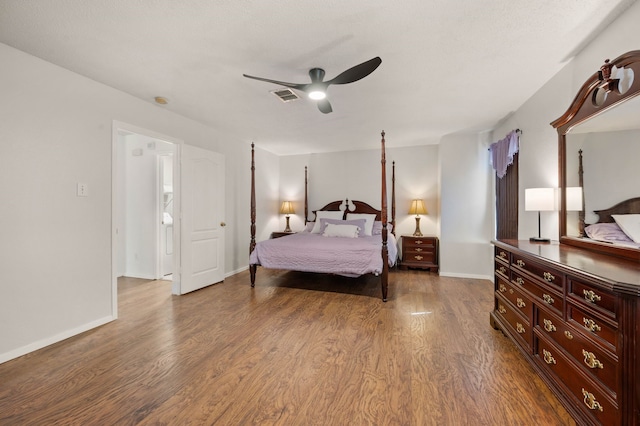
(356, 175)
(56, 247)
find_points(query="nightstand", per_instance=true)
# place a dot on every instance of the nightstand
(419, 252)
(280, 234)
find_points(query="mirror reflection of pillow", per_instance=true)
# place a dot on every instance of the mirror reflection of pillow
(347, 231)
(607, 232)
(630, 224)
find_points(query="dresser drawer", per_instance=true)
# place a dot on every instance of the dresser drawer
(589, 295)
(502, 254)
(516, 297)
(544, 272)
(594, 326)
(587, 394)
(520, 326)
(547, 296)
(591, 357)
(501, 270)
(418, 242)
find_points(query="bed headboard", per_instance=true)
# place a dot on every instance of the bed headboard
(630, 206)
(359, 207)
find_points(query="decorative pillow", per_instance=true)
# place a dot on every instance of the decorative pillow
(377, 228)
(607, 232)
(630, 224)
(325, 214)
(347, 231)
(370, 218)
(359, 223)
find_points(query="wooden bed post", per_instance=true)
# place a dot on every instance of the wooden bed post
(384, 279)
(393, 198)
(306, 200)
(252, 244)
(581, 213)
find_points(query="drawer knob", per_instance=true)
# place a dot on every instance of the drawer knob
(591, 360)
(591, 296)
(520, 281)
(591, 325)
(418, 249)
(502, 270)
(548, 358)
(503, 288)
(590, 401)
(502, 309)
(548, 299)
(548, 325)
(568, 335)
(418, 257)
(520, 328)
(503, 254)
(520, 303)
(417, 242)
(520, 263)
(548, 277)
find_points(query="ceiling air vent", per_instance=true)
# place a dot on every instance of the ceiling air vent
(285, 95)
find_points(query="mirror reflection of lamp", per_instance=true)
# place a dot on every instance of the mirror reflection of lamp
(287, 208)
(417, 208)
(575, 203)
(539, 199)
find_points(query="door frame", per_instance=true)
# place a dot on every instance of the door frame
(118, 126)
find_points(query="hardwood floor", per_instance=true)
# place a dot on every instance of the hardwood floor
(299, 349)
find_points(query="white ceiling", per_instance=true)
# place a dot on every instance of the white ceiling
(447, 65)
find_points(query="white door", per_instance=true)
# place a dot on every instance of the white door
(202, 218)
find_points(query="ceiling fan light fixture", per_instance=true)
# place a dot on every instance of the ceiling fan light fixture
(317, 95)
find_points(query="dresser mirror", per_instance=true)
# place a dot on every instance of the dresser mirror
(599, 154)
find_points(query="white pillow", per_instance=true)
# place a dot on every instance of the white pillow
(368, 226)
(349, 231)
(325, 214)
(630, 224)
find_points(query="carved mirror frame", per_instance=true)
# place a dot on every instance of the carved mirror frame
(587, 104)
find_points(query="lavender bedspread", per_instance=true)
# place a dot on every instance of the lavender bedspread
(308, 252)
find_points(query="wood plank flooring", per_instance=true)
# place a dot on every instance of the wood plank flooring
(299, 349)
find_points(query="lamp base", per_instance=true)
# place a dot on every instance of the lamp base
(417, 232)
(287, 229)
(539, 240)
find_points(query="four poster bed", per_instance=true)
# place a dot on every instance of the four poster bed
(347, 237)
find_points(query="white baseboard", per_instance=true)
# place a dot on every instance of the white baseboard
(53, 339)
(459, 275)
(237, 271)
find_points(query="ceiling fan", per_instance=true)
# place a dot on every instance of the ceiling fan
(317, 89)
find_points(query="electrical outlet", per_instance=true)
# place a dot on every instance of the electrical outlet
(83, 190)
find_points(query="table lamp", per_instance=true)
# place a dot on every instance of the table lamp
(287, 209)
(417, 208)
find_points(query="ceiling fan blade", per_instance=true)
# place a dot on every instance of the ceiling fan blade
(356, 73)
(281, 83)
(324, 106)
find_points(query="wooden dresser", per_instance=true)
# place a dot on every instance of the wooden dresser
(575, 316)
(419, 252)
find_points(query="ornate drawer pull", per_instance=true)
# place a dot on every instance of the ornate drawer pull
(502, 288)
(548, 299)
(502, 270)
(591, 325)
(548, 325)
(418, 249)
(591, 296)
(591, 360)
(502, 309)
(548, 277)
(418, 257)
(548, 358)
(503, 254)
(520, 263)
(520, 328)
(520, 303)
(520, 281)
(590, 401)
(510, 291)
(568, 335)
(417, 242)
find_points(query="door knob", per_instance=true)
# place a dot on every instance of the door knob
(223, 224)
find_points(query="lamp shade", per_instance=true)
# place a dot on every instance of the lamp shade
(287, 208)
(574, 198)
(539, 199)
(417, 207)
